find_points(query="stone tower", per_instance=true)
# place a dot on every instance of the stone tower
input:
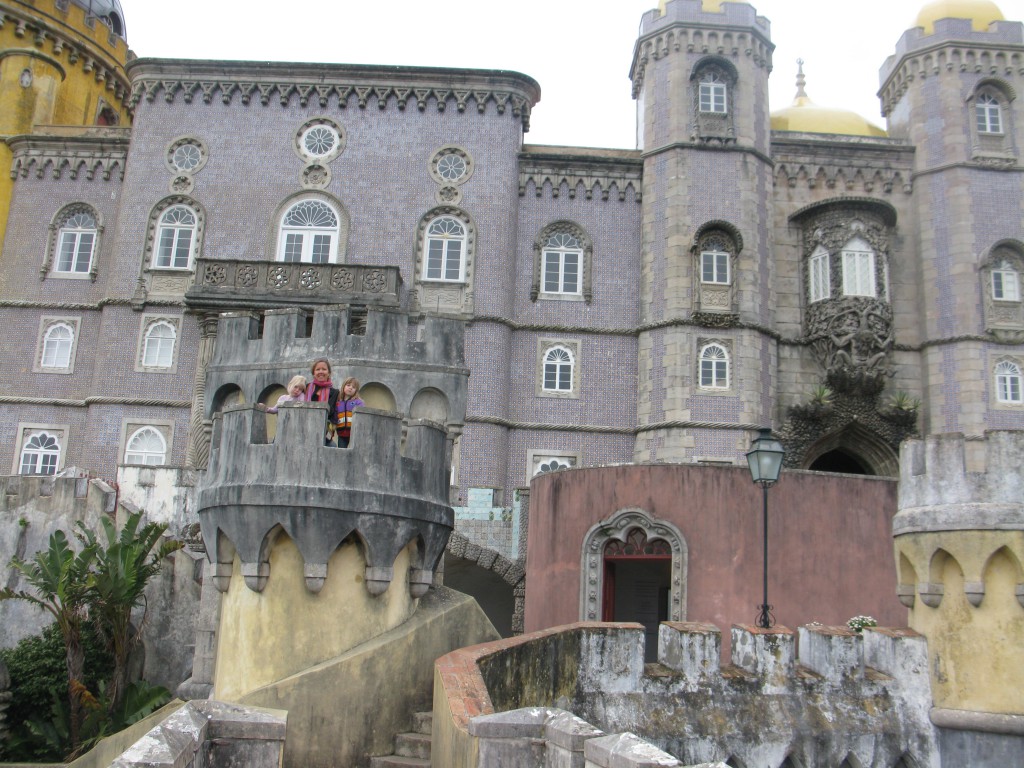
(949, 90)
(700, 79)
(959, 545)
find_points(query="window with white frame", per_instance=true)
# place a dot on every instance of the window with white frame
(712, 94)
(1008, 382)
(444, 250)
(309, 233)
(176, 238)
(558, 370)
(58, 344)
(563, 257)
(858, 269)
(1005, 283)
(158, 345)
(40, 453)
(819, 274)
(714, 267)
(989, 114)
(714, 367)
(542, 460)
(146, 446)
(76, 243)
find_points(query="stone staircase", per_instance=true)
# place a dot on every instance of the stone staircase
(412, 750)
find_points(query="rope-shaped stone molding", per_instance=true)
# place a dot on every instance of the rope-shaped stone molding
(83, 306)
(93, 400)
(594, 428)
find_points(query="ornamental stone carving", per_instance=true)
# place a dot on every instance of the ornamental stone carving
(278, 277)
(374, 281)
(852, 334)
(310, 278)
(247, 276)
(214, 274)
(343, 280)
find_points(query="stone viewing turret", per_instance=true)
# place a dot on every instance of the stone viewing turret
(959, 546)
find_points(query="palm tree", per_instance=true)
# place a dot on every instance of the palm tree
(124, 565)
(60, 578)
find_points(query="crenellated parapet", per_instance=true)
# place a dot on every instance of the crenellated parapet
(421, 369)
(71, 495)
(384, 490)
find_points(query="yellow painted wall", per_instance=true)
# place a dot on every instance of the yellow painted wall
(975, 653)
(269, 635)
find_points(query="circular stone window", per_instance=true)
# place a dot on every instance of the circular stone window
(451, 165)
(319, 140)
(186, 155)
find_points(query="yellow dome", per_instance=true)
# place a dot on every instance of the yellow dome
(708, 5)
(980, 12)
(805, 116)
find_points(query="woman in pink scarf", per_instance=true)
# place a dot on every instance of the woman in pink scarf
(321, 390)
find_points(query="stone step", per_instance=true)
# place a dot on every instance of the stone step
(398, 761)
(413, 745)
(423, 722)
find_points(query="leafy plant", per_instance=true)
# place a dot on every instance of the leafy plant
(821, 395)
(857, 623)
(904, 401)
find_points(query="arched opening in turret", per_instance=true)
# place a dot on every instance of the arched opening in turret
(229, 394)
(113, 21)
(853, 450)
(269, 398)
(377, 395)
(430, 404)
(842, 461)
(494, 595)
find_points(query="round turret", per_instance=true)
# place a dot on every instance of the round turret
(108, 11)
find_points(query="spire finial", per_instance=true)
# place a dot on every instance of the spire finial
(801, 81)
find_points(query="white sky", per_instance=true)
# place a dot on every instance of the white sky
(579, 52)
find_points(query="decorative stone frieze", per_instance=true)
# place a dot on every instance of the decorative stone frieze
(93, 152)
(598, 171)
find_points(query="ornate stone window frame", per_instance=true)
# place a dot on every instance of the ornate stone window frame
(715, 297)
(274, 226)
(186, 155)
(443, 169)
(537, 456)
(132, 425)
(714, 126)
(1004, 318)
(53, 242)
(992, 147)
(153, 233)
(726, 345)
(309, 231)
(445, 295)
(149, 320)
(308, 131)
(617, 527)
(46, 323)
(545, 346)
(563, 226)
(1003, 365)
(25, 430)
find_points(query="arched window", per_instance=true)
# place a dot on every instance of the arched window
(714, 264)
(40, 455)
(309, 233)
(714, 367)
(58, 342)
(1008, 384)
(989, 114)
(145, 446)
(558, 370)
(563, 258)
(444, 250)
(158, 347)
(1005, 282)
(176, 238)
(713, 94)
(818, 275)
(859, 269)
(76, 242)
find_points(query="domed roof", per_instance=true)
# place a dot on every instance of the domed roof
(708, 5)
(109, 11)
(980, 12)
(805, 116)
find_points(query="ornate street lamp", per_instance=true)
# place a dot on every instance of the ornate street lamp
(765, 460)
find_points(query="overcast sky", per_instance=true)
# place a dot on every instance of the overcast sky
(579, 52)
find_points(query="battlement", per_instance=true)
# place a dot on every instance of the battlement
(70, 495)
(380, 353)
(692, 13)
(386, 489)
(937, 492)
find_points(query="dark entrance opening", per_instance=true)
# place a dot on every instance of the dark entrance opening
(494, 595)
(637, 577)
(841, 461)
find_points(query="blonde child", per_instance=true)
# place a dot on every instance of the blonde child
(347, 402)
(296, 393)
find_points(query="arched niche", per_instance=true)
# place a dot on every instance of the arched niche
(430, 404)
(377, 395)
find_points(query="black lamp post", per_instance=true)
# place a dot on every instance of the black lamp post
(765, 460)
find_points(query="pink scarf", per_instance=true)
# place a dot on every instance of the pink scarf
(317, 392)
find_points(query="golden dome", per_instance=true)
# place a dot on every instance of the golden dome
(980, 12)
(805, 116)
(715, 6)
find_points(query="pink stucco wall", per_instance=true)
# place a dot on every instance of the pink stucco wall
(830, 541)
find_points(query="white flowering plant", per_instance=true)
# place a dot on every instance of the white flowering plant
(857, 623)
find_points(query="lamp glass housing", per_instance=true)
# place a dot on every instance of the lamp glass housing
(765, 458)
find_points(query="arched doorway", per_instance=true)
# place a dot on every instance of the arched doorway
(637, 583)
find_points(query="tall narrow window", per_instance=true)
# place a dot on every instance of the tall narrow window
(1005, 283)
(145, 446)
(158, 350)
(714, 267)
(558, 365)
(989, 114)
(1008, 388)
(563, 256)
(309, 233)
(818, 274)
(712, 94)
(176, 238)
(58, 342)
(714, 367)
(40, 455)
(445, 248)
(75, 244)
(859, 269)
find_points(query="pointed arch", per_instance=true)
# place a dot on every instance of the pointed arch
(860, 444)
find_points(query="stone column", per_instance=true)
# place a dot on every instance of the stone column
(199, 427)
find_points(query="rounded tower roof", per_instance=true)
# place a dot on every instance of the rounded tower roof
(109, 11)
(708, 5)
(805, 116)
(980, 12)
